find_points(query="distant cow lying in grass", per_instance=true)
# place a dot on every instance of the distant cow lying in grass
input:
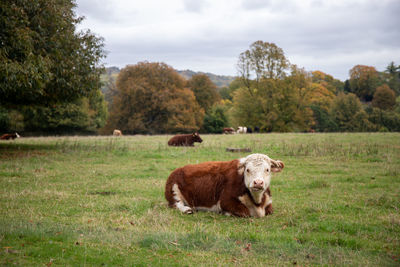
(117, 132)
(228, 130)
(10, 136)
(184, 140)
(239, 187)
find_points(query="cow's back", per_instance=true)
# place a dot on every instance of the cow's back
(180, 140)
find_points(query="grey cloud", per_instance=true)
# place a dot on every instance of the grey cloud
(272, 5)
(329, 36)
(195, 6)
(96, 9)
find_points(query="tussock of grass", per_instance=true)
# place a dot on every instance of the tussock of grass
(100, 201)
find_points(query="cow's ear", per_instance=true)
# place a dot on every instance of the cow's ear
(241, 165)
(276, 165)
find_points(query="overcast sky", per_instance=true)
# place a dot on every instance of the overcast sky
(208, 35)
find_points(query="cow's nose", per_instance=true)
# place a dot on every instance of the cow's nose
(258, 184)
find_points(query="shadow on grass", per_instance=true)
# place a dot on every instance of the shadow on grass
(12, 151)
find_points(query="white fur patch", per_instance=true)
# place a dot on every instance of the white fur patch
(253, 209)
(181, 203)
(257, 196)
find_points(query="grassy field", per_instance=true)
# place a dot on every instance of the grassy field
(99, 201)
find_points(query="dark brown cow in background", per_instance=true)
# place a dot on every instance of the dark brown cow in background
(184, 140)
(238, 187)
(10, 136)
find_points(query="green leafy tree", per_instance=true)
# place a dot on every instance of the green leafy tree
(152, 98)
(4, 119)
(204, 90)
(215, 119)
(324, 122)
(257, 102)
(272, 100)
(384, 98)
(348, 114)
(397, 106)
(248, 109)
(86, 114)
(262, 61)
(384, 120)
(43, 58)
(393, 76)
(227, 92)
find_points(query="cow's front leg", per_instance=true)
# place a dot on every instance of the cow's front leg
(233, 206)
(269, 210)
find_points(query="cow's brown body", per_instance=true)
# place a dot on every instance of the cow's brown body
(215, 186)
(9, 136)
(184, 140)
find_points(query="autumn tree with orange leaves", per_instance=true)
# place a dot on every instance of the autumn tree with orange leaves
(363, 81)
(152, 98)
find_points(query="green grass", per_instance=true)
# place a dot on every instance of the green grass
(95, 201)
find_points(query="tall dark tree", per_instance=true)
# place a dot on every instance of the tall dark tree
(393, 76)
(43, 59)
(86, 114)
(215, 120)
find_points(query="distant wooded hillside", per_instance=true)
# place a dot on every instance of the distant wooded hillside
(218, 80)
(111, 74)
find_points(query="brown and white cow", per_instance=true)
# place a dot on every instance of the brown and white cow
(185, 140)
(238, 187)
(10, 136)
(117, 132)
(228, 130)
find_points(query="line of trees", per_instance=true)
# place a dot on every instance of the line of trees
(269, 93)
(276, 96)
(50, 82)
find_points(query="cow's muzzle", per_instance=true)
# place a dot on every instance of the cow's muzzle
(257, 185)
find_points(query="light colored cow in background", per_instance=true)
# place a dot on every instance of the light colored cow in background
(241, 129)
(117, 133)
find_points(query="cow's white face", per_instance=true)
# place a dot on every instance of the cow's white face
(257, 169)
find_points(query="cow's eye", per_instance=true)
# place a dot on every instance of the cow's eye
(247, 170)
(267, 170)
